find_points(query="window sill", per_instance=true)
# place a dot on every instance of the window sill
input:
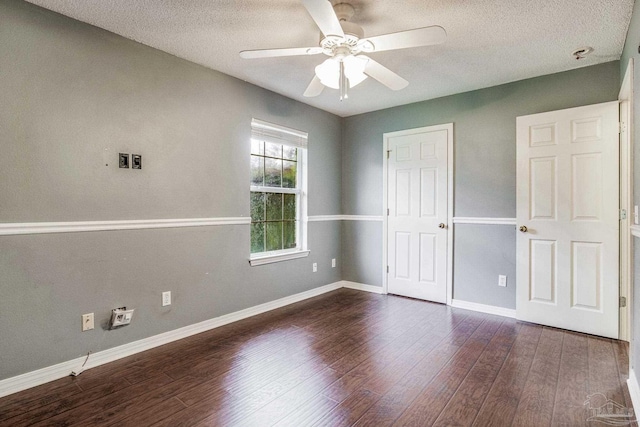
(268, 259)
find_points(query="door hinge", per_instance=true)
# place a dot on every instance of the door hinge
(623, 214)
(387, 212)
(623, 301)
(387, 269)
(622, 127)
(388, 153)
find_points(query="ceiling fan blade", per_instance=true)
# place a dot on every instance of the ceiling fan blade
(411, 38)
(315, 88)
(324, 16)
(384, 75)
(273, 53)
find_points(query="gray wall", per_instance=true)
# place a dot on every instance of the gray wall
(70, 91)
(485, 170)
(631, 51)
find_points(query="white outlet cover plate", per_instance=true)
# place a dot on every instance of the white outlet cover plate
(315, 267)
(502, 281)
(166, 298)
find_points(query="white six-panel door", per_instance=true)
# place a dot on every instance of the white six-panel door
(417, 226)
(568, 219)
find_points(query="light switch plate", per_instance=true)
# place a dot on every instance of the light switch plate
(136, 161)
(124, 160)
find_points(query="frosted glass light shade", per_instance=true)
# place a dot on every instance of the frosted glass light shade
(329, 71)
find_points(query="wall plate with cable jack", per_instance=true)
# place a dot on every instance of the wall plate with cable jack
(87, 322)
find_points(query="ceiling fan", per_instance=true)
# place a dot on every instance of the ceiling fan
(344, 43)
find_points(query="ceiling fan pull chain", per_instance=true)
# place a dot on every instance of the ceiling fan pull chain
(343, 83)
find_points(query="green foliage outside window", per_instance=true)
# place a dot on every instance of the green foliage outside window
(273, 214)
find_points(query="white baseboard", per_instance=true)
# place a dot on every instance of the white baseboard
(51, 373)
(362, 287)
(482, 308)
(634, 390)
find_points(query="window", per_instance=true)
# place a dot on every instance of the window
(278, 201)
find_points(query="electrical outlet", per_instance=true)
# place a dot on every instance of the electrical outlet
(333, 263)
(315, 267)
(166, 298)
(87, 322)
(120, 317)
(502, 281)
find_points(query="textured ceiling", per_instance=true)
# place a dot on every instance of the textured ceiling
(489, 42)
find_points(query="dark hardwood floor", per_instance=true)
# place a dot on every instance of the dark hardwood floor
(344, 358)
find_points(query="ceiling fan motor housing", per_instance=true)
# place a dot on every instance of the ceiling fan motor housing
(337, 46)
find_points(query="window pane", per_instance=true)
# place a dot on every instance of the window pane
(273, 236)
(272, 150)
(257, 147)
(257, 207)
(273, 173)
(289, 234)
(257, 237)
(274, 206)
(257, 170)
(289, 153)
(289, 206)
(289, 174)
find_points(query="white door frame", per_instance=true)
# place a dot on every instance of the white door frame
(626, 201)
(385, 205)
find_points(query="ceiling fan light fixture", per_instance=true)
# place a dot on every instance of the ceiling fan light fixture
(329, 71)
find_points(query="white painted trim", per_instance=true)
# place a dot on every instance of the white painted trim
(450, 195)
(484, 221)
(362, 287)
(362, 218)
(482, 308)
(51, 373)
(450, 189)
(317, 218)
(635, 230)
(626, 197)
(634, 390)
(10, 229)
(269, 259)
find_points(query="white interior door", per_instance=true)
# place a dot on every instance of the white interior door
(417, 200)
(568, 219)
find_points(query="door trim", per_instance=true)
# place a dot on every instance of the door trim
(385, 205)
(625, 97)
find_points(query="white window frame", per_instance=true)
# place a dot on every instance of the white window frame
(277, 134)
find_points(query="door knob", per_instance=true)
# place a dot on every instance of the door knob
(442, 225)
(523, 228)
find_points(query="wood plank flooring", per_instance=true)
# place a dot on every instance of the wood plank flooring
(340, 359)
